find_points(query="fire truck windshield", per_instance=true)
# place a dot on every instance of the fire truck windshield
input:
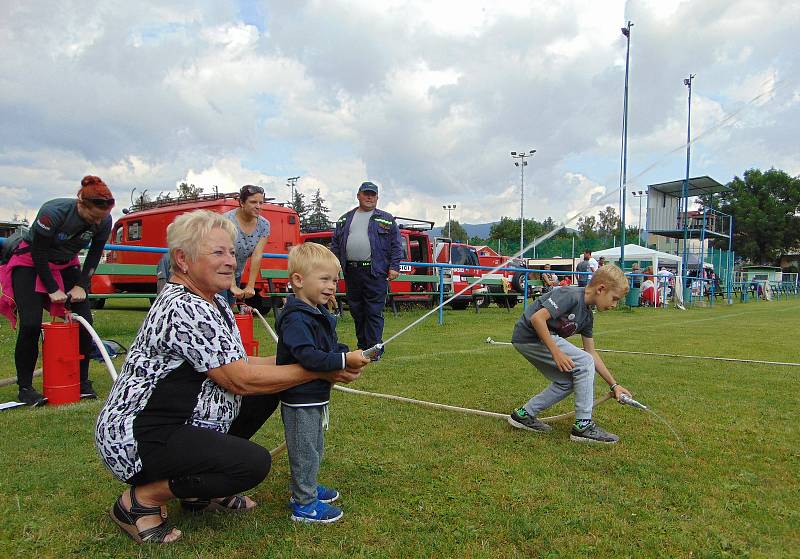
(463, 256)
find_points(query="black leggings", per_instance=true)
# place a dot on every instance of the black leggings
(30, 306)
(207, 464)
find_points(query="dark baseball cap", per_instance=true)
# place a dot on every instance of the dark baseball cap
(368, 187)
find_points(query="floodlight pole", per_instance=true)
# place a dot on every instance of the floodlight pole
(521, 164)
(627, 32)
(639, 194)
(449, 208)
(685, 198)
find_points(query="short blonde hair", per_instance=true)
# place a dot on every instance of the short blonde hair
(190, 229)
(611, 276)
(306, 257)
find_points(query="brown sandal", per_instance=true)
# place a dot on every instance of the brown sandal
(234, 503)
(126, 520)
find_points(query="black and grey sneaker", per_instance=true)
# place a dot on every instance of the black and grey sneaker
(592, 434)
(521, 419)
(31, 397)
(87, 390)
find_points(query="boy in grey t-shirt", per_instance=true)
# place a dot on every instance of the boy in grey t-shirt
(540, 336)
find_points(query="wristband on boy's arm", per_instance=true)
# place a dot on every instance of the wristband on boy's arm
(613, 386)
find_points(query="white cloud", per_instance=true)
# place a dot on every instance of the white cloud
(424, 98)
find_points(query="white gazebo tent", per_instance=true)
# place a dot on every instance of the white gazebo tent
(636, 252)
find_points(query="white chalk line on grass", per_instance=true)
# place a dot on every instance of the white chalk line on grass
(706, 357)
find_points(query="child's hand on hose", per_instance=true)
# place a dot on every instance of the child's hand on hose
(355, 359)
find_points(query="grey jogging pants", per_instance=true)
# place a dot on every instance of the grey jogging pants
(580, 380)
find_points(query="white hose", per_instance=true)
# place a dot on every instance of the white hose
(277, 450)
(477, 281)
(456, 408)
(706, 357)
(266, 325)
(100, 346)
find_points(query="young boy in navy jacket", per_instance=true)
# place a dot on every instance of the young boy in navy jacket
(307, 335)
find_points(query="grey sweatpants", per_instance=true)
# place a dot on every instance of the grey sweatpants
(580, 380)
(305, 444)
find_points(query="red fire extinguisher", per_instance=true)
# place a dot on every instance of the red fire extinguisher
(61, 362)
(244, 322)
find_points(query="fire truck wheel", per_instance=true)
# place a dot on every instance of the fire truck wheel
(97, 303)
(482, 301)
(518, 281)
(459, 305)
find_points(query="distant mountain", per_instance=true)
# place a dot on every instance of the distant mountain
(473, 230)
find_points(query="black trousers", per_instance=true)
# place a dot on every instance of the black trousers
(30, 306)
(366, 297)
(207, 464)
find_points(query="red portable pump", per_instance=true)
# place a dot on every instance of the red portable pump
(61, 362)
(244, 322)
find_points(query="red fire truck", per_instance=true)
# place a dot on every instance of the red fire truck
(503, 281)
(145, 224)
(464, 257)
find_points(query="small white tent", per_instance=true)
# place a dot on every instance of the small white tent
(636, 252)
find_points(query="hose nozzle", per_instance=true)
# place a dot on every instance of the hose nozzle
(373, 352)
(628, 401)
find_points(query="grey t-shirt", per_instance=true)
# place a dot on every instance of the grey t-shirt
(59, 219)
(569, 315)
(357, 247)
(245, 243)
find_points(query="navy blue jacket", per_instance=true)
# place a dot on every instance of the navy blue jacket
(384, 241)
(307, 335)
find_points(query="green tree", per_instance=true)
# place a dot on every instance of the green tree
(508, 229)
(766, 211)
(318, 216)
(299, 205)
(455, 231)
(505, 229)
(587, 227)
(186, 190)
(608, 222)
(477, 241)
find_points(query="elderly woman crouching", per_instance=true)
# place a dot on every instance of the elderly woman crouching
(166, 428)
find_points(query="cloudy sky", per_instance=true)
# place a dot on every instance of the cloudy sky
(426, 98)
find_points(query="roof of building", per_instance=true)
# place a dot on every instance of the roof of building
(698, 186)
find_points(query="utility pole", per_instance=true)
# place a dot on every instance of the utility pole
(291, 182)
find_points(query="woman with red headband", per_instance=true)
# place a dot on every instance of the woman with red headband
(45, 273)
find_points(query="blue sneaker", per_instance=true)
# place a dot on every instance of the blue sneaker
(327, 494)
(316, 511)
(324, 494)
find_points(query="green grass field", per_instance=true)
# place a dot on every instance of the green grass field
(419, 482)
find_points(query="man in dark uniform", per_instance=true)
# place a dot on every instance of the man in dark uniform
(367, 243)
